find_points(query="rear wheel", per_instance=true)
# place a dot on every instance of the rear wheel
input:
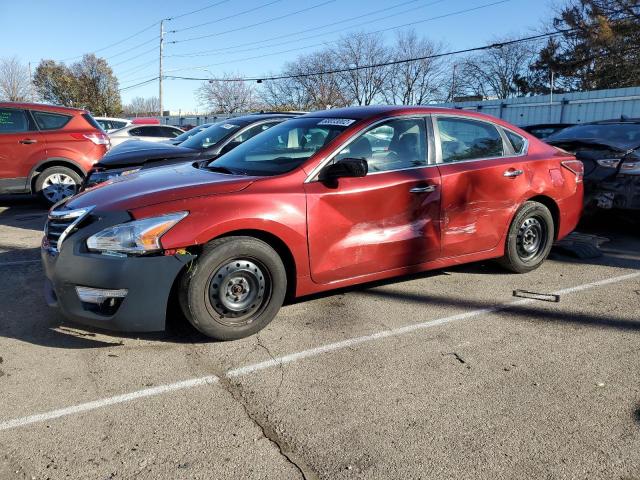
(234, 289)
(57, 183)
(530, 238)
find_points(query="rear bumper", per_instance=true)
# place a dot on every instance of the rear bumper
(570, 212)
(148, 281)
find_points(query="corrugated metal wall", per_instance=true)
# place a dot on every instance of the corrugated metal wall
(577, 107)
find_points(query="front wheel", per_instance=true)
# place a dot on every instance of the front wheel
(234, 289)
(530, 238)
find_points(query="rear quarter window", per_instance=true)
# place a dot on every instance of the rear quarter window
(50, 121)
(517, 142)
(91, 121)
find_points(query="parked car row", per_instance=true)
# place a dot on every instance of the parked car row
(254, 209)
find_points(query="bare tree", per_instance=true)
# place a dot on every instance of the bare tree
(227, 95)
(305, 89)
(284, 94)
(419, 81)
(363, 85)
(15, 85)
(142, 106)
(497, 72)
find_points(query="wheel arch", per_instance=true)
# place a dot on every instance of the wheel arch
(53, 162)
(281, 248)
(553, 207)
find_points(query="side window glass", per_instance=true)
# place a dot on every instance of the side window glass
(50, 121)
(466, 139)
(394, 145)
(252, 132)
(13, 121)
(136, 132)
(172, 132)
(517, 142)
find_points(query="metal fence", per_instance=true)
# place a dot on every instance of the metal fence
(577, 107)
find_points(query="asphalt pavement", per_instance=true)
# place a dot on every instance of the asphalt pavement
(440, 375)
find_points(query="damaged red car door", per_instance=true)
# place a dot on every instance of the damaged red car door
(386, 220)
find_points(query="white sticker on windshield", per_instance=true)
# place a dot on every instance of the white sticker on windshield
(229, 126)
(341, 122)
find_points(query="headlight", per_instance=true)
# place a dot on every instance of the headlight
(100, 176)
(137, 237)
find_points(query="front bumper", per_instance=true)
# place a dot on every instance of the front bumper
(147, 279)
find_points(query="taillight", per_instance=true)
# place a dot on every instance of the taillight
(97, 138)
(576, 167)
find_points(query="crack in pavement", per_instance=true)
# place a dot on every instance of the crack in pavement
(280, 367)
(261, 421)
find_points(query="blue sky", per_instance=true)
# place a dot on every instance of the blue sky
(62, 30)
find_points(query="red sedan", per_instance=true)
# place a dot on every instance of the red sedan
(326, 200)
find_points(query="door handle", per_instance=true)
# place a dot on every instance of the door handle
(425, 189)
(28, 141)
(512, 173)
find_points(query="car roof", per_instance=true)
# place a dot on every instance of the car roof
(613, 121)
(42, 106)
(256, 117)
(113, 118)
(362, 112)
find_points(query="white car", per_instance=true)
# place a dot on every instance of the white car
(109, 124)
(149, 133)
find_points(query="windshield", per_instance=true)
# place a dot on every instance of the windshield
(190, 133)
(281, 148)
(621, 133)
(211, 136)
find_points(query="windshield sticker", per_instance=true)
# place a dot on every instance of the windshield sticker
(229, 126)
(340, 122)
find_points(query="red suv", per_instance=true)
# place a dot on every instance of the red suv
(47, 149)
(325, 200)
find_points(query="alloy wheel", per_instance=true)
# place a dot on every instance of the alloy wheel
(58, 186)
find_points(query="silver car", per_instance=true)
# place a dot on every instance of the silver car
(149, 133)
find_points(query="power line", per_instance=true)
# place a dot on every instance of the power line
(138, 67)
(438, 17)
(203, 53)
(138, 84)
(273, 19)
(249, 10)
(382, 64)
(128, 50)
(152, 49)
(115, 43)
(175, 17)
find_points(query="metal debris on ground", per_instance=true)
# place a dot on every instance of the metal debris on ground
(544, 297)
(581, 245)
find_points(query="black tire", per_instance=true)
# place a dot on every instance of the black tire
(234, 289)
(57, 183)
(530, 238)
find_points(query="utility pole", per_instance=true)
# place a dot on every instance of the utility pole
(160, 63)
(552, 82)
(30, 84)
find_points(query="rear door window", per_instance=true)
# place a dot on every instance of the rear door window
(168, 132)
(13, 121)
(467, 139)
(50, 121)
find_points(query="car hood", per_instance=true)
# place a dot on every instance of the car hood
(137, 153)
(158, 185)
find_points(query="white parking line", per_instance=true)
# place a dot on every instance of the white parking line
(291, 358)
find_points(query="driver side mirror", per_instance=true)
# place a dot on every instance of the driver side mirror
(347, 167)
